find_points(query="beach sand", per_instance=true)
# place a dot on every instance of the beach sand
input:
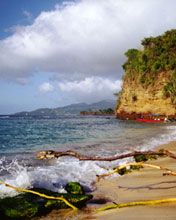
(146, 184)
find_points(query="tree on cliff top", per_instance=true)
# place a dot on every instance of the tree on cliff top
(158, 55)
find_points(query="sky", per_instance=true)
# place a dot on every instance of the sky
(57, 52)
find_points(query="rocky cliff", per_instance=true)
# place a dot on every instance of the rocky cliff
(149, 82)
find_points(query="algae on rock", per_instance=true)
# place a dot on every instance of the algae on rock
(27, 205)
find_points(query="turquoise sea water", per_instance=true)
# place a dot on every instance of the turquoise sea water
(21, 138)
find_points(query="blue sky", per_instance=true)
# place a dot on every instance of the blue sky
(16, 97)
(22, 12)
(54, 53)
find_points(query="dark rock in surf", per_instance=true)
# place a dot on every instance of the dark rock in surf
(27, 205)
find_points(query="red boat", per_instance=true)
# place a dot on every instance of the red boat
(150, 120)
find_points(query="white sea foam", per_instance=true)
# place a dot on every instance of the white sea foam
(68, 169)
(17, 176)
(168, 136)
(54, 176)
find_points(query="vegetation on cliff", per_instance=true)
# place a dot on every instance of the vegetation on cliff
(158, 54)
(156, 61)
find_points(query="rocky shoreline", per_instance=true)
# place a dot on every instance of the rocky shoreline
(133, 116)
(38, 202)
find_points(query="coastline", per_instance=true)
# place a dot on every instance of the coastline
(146, 184)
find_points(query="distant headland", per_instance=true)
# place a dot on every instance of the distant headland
(73, 109)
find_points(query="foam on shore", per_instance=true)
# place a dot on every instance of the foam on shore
(55, 174)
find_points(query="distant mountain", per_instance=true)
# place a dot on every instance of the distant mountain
(66, 110)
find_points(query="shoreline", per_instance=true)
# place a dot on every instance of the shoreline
(145, 184)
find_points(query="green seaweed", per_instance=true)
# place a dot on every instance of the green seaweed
(143, 158)
(74, 188)
(18, 207)
(27, 205)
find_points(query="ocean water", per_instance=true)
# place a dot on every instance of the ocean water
(22, 138)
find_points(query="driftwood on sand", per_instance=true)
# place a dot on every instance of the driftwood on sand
(136, 165)
(140, 162)
(50, 154)
(137, 203)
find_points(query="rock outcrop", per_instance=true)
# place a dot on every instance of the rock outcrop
(149, 83)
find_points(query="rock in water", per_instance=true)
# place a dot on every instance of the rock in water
(74, 188)
(18, 207)
(27, 205)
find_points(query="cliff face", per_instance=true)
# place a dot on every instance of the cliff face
(135, 98)
(149, 84)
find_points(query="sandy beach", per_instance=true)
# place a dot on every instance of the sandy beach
(146, 184)
(88, 98)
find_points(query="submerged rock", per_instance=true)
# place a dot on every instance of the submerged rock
(27, 205)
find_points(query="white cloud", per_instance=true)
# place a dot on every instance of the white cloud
(84, 38)
(45, 88)
(90, 89)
